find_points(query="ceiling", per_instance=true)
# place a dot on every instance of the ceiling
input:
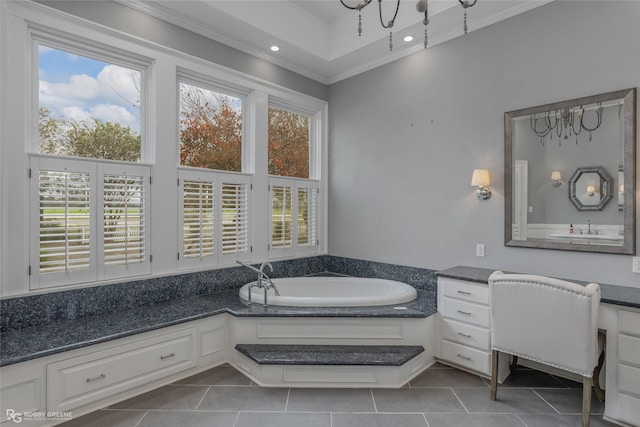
(319, 38)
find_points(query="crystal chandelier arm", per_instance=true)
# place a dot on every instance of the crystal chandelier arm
(599, 115)
(580, 114)
(358, 6)
(534, 126)
(391, 22)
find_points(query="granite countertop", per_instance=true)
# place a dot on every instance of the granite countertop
(611, 294)
(30, 343)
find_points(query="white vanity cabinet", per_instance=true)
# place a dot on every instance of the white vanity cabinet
(464, 337)
(79, 381)
(623, 371)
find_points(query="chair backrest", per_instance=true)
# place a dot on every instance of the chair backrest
(547, 320)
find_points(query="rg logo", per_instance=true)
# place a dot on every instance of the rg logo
(14, 416)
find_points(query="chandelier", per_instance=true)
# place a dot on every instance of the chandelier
(565, 122)
(422, 7)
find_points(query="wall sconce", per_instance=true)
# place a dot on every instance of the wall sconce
(621, 190)
(591, 190)
(555, 178)
(481, 180)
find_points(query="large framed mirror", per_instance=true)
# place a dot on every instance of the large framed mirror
(561, 161)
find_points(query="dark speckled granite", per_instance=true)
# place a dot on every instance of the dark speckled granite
(611, 294)
(389, 355)
(41, 325)
(29, 311)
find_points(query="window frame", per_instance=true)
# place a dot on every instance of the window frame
(195, 79)
(98, 51)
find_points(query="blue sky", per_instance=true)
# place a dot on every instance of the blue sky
(80, 88)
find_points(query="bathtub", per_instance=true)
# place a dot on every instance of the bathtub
(332, 292)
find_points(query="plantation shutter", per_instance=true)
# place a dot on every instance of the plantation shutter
(197, 219)
(281, 216)
(307, 216)
(235, 218)
(124, 224)
(65, 221)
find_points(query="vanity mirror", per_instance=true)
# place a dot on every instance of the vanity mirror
(582, 139)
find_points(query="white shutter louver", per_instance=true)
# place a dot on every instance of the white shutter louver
(65, 206)
(197, 219)
(307, 213)
(281, 216)
(235, 218)
(124, 220)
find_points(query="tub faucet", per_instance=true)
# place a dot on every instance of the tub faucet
(263, 282)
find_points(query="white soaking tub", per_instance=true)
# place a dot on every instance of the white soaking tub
(332, 292)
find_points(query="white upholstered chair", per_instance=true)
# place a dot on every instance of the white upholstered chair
(550, 321)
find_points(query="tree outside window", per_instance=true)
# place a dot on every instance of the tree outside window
(288, 144)
(210, 129)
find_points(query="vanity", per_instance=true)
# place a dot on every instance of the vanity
(463, 337)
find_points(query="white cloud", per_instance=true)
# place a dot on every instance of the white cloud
(113, 113)
(105, 97)
(120, 85)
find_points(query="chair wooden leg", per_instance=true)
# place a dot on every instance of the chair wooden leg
(602, 337)
(494, 374)
(514, 363)
(586, 401)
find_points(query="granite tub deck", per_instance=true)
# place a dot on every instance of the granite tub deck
(30, 343)
(610, 294)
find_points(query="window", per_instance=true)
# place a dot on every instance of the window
(214, 217)
(88, 107)
(89, 221)
(294, 210)
(89, 195)
(288, 143)
(210, 129)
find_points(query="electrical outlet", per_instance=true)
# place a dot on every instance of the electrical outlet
(480, 250)
(636, 264)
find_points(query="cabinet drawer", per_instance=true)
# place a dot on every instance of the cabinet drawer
(629, 379)
(467, 357)
(466, 291)
(629, 322)
(629, 349)
(465, 334)
(466, 312)
(85, 379)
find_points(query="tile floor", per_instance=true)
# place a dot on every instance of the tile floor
(439, 397)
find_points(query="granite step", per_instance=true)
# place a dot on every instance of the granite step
(363, 355)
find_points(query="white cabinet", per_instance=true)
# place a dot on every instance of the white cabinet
(464, 335)
(627, 392)
(22, 391)
(78, 381)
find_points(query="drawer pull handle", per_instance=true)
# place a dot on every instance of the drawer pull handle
(167, 356)
(464, 292)
(463, 357)
(466, 313)
(99, 377)
(464, 335)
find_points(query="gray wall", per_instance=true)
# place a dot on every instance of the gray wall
(130, 21)
(405, 138)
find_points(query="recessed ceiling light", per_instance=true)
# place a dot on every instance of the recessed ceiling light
(274, 48)
(408, 38)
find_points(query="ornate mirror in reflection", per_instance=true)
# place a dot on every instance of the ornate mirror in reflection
(590, 188)
(548, 150)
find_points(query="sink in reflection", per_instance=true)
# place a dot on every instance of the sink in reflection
(586, 236)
